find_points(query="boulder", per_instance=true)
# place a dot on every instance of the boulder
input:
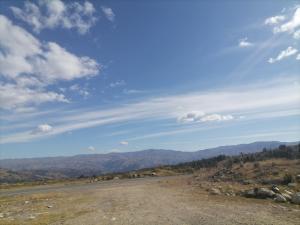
(279, 198)
(264, 193)
(296, 198)
(249, 193)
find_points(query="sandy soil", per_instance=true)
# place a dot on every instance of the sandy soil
(169, 200)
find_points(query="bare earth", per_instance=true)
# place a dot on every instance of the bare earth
(168, 200)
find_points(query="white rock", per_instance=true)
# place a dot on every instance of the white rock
(215, 191)
(279, 198)
(287, 196)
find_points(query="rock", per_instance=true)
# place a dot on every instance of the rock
(298, 177)
(116, 178)
(32, 217)
(249, 193)
(264, 193)
(275, 189)
(296, 198)
(215, 191)
(288, 192)
(26, 202)
(279, 198)
(1, 215)
(292, 184)
(287, 196)
(49, 206)
(246, 182)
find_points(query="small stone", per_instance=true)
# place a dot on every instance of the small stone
(113, 219)
(49, 206)
(288, 192)
(292, 184)
(279, 198)
(215, 191)
(275, 189)
(1, 215)
(26, 202)
(287, 196)
(31, 217)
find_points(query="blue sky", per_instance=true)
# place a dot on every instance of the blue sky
(115, 76)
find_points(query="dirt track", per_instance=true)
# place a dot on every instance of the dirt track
(172, 200)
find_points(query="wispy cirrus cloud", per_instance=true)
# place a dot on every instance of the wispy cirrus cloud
(218, 105)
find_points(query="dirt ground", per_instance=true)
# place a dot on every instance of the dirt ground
(167, 200)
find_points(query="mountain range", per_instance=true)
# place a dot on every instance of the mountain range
(90, 164)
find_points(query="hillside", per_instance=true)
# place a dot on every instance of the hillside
(91, 164)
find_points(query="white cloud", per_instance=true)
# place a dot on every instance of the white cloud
(133, 91)
(109, 14)
(253, 101)
(274, 20)
(124, 143)
(117, 83)
(296, 34)
(216, 117)
(56, 13)
(14, 97)
(74, 87)
(243, 43)
(290, 26)
(298, 57)
(196, 116)
(80, 90)
(59, 64)
(42, 128)
(91, 148)
(284, 54)
(29, 66)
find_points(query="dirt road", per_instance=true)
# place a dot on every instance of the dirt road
(171, 200)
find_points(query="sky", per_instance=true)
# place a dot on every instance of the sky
(116, 76)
